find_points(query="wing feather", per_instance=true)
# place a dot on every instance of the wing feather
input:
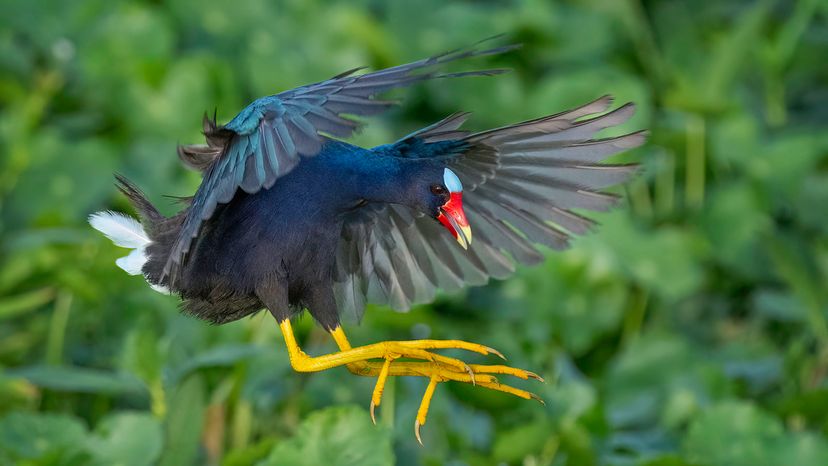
(523, 185)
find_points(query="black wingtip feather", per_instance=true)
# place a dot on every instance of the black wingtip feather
(148, 213)
(347, 73)
(464, 74)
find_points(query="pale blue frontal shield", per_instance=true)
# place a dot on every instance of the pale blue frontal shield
(451, 181)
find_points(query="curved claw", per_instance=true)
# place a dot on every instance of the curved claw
(535, 376)
(471, 374)
(424, 404)
(371, 409)
(537, 398)
(496, 353)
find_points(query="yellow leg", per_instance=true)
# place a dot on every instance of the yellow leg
(435, 371)
(301, 362)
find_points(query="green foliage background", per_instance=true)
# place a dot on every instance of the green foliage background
(690, 330)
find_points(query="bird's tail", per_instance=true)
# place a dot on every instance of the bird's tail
(128, 232)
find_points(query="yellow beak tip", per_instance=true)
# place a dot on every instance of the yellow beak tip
(465, 237)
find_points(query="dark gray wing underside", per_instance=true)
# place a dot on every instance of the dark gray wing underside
(523, 187)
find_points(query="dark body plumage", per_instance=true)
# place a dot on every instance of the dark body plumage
(285, 237)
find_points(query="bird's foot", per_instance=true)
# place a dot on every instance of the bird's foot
(362, 360)
(437, 371)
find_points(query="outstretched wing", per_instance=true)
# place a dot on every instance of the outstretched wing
(269, 137)
(523, 186)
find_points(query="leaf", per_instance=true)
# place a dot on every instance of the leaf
(14, 306)
(732, 433)
(77, 379)
(734, 221)
(143, 357)
(667, 460)
(219, 356)
(659, 377)
(16, 393)
(126, 439)
(641, 254)
(340, 436)
(249, 454)
(737, 433)
(514, 445)
(733, 52)
(30, 436)
(588, 305)
(185, 418)
(803, 449)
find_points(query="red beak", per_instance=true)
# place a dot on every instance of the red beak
(454, 219)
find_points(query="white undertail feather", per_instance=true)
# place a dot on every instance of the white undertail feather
(121, 229)
(125, 232)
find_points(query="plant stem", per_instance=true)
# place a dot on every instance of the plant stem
(634, 318)
(694, 182)
(389, 399)
(665, 184)
(57, 328)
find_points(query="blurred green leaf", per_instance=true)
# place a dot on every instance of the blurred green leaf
(340, 436)
(734, 223)
(666, 261)
(658, 378)
(16, 305)
(184, 423)
(16, 393)
(250, 454)
(143, 357)
(734, 51)
(39, 438)
(126, 439)
(217, 357)
(76, 379)
(737, 433)
(514, 445)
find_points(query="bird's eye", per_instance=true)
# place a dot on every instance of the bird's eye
(438, 190)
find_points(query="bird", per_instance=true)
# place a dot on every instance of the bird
(290, 217)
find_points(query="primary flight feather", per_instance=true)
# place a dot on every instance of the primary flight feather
(289, 217)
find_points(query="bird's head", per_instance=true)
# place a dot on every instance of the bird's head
(426, 186)
(446, 205)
